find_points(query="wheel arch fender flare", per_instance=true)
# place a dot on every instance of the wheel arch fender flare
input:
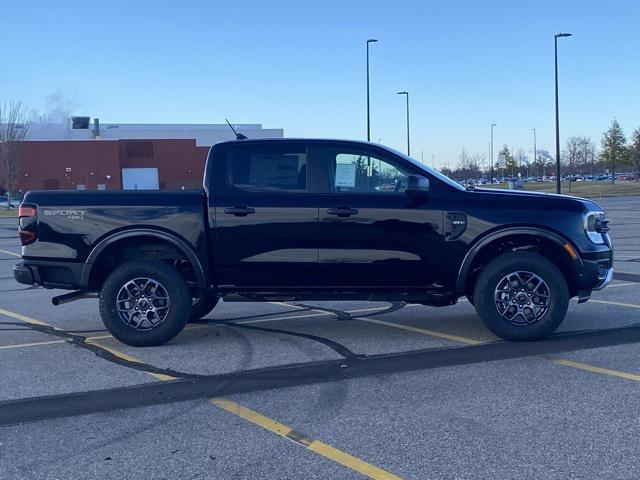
(479, 245)
(177, 242)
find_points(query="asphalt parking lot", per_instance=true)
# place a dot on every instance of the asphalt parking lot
(322, 389)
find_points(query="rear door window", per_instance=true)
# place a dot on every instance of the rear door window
(268, 168)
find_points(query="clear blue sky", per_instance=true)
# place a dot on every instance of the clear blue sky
(301, 66)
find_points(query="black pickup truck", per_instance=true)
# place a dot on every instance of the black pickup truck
(293, 219)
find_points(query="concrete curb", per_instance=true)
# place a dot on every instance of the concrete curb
(629, 277)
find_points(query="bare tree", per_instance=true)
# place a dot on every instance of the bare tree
(539, 163)
(478, 160)
(468, 167)
(543, 161)
(587, 154)
(13, 130)
(571, 156)
(523, 162)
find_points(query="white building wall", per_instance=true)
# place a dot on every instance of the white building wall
(204, 134)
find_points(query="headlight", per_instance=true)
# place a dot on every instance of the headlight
(595, 224)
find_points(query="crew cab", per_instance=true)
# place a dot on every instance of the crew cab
(302, 219)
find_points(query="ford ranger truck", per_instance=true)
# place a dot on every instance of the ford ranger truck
(296, 219)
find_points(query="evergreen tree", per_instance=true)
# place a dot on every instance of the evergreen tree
(635, 152)
(507, 161)
(614, 149)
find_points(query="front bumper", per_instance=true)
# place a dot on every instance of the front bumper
(607, 279)
(596, 266)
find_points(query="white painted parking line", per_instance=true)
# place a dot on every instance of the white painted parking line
(628, 284)
(10, 253)
(617, 304)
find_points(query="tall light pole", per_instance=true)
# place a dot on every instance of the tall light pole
(535, 153)
(371, 40)
(408, 141)
(558, 187)
(491, 160)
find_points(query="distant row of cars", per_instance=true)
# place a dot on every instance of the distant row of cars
(567, 178)
(598, 178)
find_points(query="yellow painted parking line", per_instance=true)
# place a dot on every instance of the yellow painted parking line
(617, 304)
(87, 339)
(10, 253)
(48, 342)
(470, 341)
(591, 368)
(431, 333)
(98, 337)
(113, 351)
(24, 318)
(129, 358)
(316, 446)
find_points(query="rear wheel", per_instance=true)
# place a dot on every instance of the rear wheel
(521, 296)
(145, 303)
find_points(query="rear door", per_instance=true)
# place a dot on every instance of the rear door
(265, 215)
(371, 233)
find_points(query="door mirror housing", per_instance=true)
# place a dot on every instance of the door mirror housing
(418, 186)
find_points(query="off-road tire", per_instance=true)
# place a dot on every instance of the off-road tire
(496, 271)
(177, 316)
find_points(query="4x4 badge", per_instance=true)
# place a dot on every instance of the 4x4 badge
(455, 225)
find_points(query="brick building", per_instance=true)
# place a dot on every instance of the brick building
(87, 155)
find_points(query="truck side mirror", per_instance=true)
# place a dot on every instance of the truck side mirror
(418, 186)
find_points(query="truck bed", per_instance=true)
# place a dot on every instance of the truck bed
(70, 225)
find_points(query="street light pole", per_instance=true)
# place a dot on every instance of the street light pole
(535, 153)
(408, 141)
(558, 186)
(491, 160)
(371, 40)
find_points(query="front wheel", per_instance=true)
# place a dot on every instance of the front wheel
(145, 303)
(521, 296)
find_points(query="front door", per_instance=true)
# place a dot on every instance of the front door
(371, 233)
(266, 215)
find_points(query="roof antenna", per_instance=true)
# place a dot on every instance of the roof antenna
(239, 136)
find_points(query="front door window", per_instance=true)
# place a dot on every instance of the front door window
(360, 173)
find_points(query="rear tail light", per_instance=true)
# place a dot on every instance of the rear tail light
(27, 216)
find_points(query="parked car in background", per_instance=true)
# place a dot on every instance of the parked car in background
(625, 176)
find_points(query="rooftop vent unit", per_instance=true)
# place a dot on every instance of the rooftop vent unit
(80, 123)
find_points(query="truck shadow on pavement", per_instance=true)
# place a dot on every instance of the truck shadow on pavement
(183, 386)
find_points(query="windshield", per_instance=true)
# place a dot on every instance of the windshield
(427, 169)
